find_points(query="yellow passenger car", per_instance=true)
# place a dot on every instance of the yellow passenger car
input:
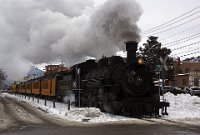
(28, 87)
(36, 86)
(48, 87)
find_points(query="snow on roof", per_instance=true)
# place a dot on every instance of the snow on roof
(182, 74)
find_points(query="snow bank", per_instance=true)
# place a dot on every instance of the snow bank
(182, 107)
(91, 114)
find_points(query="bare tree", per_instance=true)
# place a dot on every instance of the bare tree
(3, 77)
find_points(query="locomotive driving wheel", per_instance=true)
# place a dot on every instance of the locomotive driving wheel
(110, 102)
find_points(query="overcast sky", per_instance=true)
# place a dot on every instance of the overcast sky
(157, 12)
(43, 31)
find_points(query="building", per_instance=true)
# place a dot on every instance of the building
(194, 79)
(180, 80)
(55, 68)
(186, 74)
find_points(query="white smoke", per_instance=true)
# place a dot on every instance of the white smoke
(39, 31)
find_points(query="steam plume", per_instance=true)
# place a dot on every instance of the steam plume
(39, 31)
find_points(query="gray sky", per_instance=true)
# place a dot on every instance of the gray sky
(157, 12)
(43, 31)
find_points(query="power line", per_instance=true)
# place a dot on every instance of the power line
(177, 25)
(172, 19)
(178, 48)
(181, 19)
(183, 40)
(188, 54)
(181, 32)
(185, 52)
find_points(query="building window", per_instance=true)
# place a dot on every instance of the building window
(187, 70)
(184, 82)
(196, 81)
(175, 83)
(180, 71)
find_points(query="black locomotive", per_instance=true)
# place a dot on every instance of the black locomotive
(117, 85)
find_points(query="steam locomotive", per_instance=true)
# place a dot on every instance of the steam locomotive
(113, 84)
(118, 86)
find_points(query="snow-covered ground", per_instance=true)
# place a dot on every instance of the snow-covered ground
(183, 107)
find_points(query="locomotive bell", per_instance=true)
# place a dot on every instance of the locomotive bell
(131, 48)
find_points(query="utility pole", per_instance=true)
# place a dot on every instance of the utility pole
(163, 67)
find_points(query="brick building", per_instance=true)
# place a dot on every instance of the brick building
(186, 74)
(194, 79)
(55, 68)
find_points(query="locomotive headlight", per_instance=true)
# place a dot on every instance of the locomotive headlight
(140, 61)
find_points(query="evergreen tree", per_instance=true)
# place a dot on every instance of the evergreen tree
(152, 51)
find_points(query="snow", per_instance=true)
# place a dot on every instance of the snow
(183, 107)
(91, 114)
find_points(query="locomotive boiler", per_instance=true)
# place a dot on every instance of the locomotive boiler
(117, 85)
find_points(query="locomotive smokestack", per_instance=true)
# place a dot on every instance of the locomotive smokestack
(131, 48)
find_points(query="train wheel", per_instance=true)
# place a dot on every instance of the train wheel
(111, 106)
(84, 100)
(125, 112)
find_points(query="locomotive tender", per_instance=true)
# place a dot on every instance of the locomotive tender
(113, 84)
